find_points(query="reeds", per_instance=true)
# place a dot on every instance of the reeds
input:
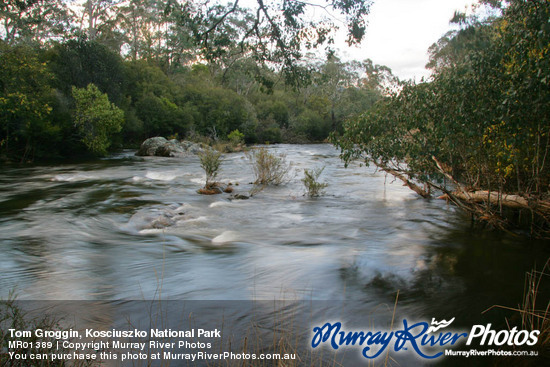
(535, 315)
(534, 312)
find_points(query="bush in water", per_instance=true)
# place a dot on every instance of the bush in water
(269, 169)
(210, 162)
(311, 182)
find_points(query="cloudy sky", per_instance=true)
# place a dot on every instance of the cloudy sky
(400, 31)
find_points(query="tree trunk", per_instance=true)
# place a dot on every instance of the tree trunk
(411, 185)
(509, 201)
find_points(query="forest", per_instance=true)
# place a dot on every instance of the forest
(82, 78)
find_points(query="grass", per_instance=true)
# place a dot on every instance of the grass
(277, 336)
(277, 329)
(534, 317)
(534, 313)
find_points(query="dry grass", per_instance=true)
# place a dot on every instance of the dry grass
(533, 316)
(534, 312)
(282, 338)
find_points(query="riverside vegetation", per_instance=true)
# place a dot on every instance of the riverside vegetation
(268, 168)
(12, 316)
(210, 161)
(478, 130)
(85, 80)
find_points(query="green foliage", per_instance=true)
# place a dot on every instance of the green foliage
(25, 104)
(276, 110)
(33, 21)
(142, 78)
(162, 117)
(220, 111)
(311, 182)
(236, 137)
(312, 124)
(269, 132)
(95, 118)
(269, 168)
(482, 122)
(210, 162)
(274, 34)
(80, 62)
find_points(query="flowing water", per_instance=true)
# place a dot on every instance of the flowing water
(134, 228)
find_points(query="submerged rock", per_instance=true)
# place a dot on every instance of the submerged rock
(195, 148)
(240, 197)
(210, 191)
(162, 222)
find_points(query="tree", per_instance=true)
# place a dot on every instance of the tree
(162, 117)
(275, 33)
(97, 16)
(150, 32)
(35, 21)
(80, 62)
(95, 118)
(24, 102)
(479, 130)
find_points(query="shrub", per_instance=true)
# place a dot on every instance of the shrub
(236, 138)
(210, 162)
(269, 133)
(313, 186)
(96, 118)
(269, 169)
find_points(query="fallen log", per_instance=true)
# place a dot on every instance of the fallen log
(506, 200)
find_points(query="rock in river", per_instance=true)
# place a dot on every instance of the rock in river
(159, 146)
(151, 145)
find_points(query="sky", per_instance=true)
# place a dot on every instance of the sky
(399, 33)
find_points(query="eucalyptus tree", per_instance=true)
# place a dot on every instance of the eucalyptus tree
(133, 19)
(275, 33)
(97, 16)
(479, 129)
(35, 21)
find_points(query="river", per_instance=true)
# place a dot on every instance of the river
(134, 228)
